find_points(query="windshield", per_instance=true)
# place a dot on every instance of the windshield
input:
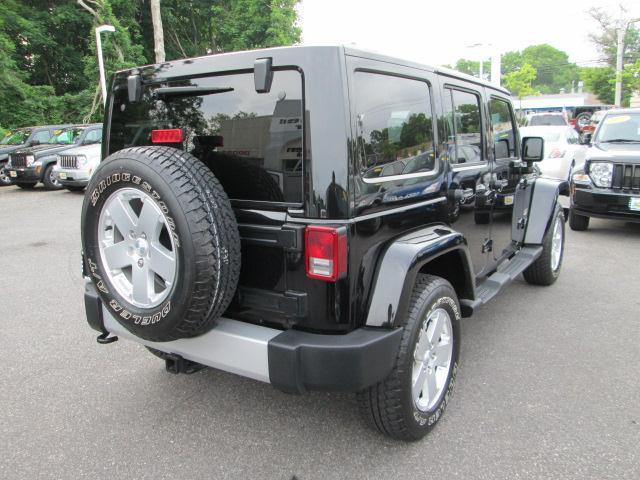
(547, 120)
(16, 138)
(622, 128)
(67, 137)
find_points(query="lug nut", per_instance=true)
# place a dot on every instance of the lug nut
(140, 262)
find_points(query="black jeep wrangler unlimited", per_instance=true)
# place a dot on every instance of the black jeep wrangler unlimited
(608, 184)
(292, 215)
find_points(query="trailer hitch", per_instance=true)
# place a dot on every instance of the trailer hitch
(175, 364)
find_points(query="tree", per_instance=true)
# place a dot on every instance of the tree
(520, 82)
(510, 62)
(246, 24)
(606, 39)
(48, 64)
(158, 35)
(554, 71)
(472, 67)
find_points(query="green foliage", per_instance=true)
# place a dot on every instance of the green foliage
(554, 71)
(520, 82)
(246, 24)
(510, 62)
(601, 81)
(48, 62)
(472, 67)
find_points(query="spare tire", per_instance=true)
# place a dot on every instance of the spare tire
(160, 242)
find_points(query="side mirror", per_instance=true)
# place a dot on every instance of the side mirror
(532, 149)
(262, 75)
(586, 138)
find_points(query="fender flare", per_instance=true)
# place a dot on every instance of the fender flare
(542, 207)
(400, 264)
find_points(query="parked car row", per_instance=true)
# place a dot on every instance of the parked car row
(602, 164)
(59, 156)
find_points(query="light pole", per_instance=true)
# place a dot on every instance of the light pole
(622, 31)
(495, 61)
(103, 82)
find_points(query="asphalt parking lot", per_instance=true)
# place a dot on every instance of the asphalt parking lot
(548, 387)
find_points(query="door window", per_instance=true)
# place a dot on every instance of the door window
(503, 127)
(464, 124)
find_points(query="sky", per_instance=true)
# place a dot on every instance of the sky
(440, 32)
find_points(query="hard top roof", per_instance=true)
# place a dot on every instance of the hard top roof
(351, 51)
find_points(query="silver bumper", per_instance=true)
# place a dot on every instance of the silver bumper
(232, 346)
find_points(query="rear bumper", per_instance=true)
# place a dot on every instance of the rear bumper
(292, 361)
(604, 203)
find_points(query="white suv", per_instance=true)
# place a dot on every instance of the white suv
(76, 165)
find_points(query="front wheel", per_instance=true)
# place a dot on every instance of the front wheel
(546, 269)
(4, 176)
(577, 222)
(50, 180)
(409, 402)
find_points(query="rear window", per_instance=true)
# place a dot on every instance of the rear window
(252, 142)
(547, 120)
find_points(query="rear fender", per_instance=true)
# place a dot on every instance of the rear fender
(403, 260)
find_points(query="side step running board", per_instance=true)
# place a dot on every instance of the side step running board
(505, 274)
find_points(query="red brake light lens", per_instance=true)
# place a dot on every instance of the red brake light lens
(325, 252)
(172, 135)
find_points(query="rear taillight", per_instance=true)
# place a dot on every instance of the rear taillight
(325, 252)
(172, 135)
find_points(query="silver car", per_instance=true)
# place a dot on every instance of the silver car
(76, 165)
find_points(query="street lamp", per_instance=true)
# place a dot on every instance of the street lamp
(495, 61)
(103, 83)
(620, 59)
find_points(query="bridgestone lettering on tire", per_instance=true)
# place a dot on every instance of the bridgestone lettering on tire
(400, 406)
(160, 215)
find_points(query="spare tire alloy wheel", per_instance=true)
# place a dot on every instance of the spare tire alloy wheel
(161, 242)
(138, 251)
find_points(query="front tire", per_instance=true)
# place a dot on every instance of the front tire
(49, 179)
(577, 222)
(26, 186)
(546, 269)
(409, 402)
(5, 180)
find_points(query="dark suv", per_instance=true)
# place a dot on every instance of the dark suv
(21, 138)
(608, 184)
(28, 166)
(292, 215)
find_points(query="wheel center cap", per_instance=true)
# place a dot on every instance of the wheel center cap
(141, 247)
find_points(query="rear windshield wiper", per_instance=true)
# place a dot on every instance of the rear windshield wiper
(168, 92)
(620, 140)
